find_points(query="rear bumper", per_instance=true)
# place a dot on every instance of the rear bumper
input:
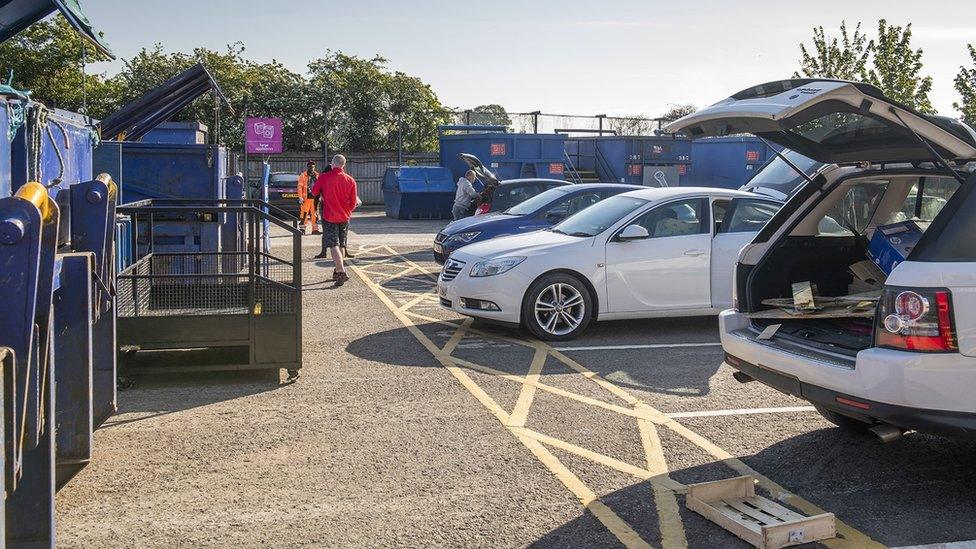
(939, 422)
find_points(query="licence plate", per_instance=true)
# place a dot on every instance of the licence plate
(441, 290)
(289, 195)
(438, 248)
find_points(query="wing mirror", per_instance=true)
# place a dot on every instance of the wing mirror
(633, 232)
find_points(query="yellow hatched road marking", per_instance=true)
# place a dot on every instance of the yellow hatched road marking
(642, 411)
(587, 497)
(527, 393)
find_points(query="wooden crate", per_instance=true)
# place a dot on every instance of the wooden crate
(734, 505)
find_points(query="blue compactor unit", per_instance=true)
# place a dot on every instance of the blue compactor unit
(57, 330)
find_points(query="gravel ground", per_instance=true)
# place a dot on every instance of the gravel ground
(379, 445)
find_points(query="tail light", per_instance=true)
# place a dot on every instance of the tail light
(916, 320)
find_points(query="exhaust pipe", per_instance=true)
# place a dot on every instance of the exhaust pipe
(885, 432)
(741, 377)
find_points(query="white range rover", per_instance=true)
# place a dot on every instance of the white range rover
(912, 365)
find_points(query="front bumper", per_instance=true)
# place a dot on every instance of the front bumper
(924, 392)
(505, 290)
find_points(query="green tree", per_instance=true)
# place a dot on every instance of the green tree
(46, 59)
(415, 111)
(845, 59)
(492, 115)
(268, 89)
(366, 105)
(965, 84)
(350, 91)
(897, 68)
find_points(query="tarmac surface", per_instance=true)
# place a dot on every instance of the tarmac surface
(412, 426)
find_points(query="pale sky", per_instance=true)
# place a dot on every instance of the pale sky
(570, 56)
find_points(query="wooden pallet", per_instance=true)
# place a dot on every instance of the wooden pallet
(734, 505)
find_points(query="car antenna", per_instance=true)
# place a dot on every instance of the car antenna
(935, 153)
(788, 161)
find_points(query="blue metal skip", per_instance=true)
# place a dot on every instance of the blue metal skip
(418, 192)
(631, 159)
(727, 162)
(508, 155)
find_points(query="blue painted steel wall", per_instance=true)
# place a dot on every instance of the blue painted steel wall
(727, 162)
(508, 155)
(73, 139)
(418, 192)
(620, 159)
(158, 170)
(182, 133)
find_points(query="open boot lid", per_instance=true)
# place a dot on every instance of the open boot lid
(832, 121)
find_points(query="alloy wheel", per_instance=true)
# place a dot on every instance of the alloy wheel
(559, 309)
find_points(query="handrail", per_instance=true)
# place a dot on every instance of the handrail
(572, 169)
(145, 209)
(602, 163)
(213, 202)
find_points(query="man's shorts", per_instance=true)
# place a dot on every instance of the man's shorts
(332, 234)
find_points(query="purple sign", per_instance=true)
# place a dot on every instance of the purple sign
(263, 135)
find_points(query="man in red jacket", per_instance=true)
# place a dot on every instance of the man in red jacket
(338, 192)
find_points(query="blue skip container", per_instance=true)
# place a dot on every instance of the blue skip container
(418, 192)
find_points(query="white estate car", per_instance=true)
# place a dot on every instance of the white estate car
(646, 253)
(913, 365)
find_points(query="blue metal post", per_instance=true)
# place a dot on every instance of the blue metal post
(72, 370)
(93, 231)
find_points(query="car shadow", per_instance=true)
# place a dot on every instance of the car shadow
(912, 492)
(680, 372)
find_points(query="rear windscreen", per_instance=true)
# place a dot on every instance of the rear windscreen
(952, 236)
(778, 175)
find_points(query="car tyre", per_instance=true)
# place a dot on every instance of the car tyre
(557, 307)
(847, 423)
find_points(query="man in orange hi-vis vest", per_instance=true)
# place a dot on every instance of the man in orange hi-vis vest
(308, 213)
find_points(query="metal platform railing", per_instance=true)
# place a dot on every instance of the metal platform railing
(243, 295)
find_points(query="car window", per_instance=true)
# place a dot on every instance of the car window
(779, 176)
(853, 212)
(925, 200)
(601, 216)
(573, 204)
(951, 236)
(719, 207)
(518, 194)
(678, 218)
(538, 201)
(750, 215)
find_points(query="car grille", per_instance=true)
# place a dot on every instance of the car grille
(440, 238)
(451, 269)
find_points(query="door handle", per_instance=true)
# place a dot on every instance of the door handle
(695, 253)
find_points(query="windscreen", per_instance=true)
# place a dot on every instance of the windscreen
(600, 216)
(538, 201)
(779, 176)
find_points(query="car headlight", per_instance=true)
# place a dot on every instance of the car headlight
(496, 266)
(464, 238)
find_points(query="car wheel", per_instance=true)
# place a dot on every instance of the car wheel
(557, 307)
(847, 423)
